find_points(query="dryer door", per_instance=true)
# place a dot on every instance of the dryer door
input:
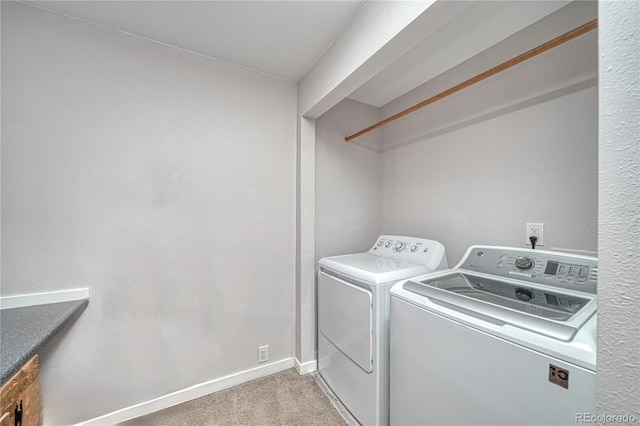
(345, 317)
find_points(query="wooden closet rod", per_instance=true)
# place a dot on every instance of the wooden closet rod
(493, 71)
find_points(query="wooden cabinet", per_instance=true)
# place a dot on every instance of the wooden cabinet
(20, 397)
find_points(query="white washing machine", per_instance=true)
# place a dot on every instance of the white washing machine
(353, 319)
(507, 337)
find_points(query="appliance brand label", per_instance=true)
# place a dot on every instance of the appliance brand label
(559, 376)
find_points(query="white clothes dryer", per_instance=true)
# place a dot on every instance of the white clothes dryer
(507, 337)
(353, 319)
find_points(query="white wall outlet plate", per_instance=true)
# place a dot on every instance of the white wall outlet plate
(537, 230)
(263, 353)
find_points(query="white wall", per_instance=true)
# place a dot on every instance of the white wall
(471, 185)
(619, 216)
(347, 181)
(519, 147)
(149, 175)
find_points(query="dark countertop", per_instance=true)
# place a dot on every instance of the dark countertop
(24, 331)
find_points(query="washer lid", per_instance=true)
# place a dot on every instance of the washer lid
(373, 269)
(518, 296)
(504, 302)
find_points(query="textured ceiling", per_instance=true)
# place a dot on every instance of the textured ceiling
(280, 38)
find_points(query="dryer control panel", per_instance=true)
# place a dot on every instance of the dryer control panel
(411, 249)
(571, 271)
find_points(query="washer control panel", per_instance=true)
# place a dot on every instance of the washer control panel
(408, 249)
(557, 269)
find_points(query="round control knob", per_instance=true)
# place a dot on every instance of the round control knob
(524, 294)
(388, 244)
(414, 249)
(400, 246)
(524, 262)
(380, 243)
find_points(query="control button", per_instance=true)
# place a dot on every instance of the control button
(524, 262)
(524, 294)
(388, 244)
(400, 246)
(499, 265)
(414, 248)
(380, 243)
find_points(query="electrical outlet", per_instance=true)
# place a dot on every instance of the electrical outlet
(537, 230)
(263, 353)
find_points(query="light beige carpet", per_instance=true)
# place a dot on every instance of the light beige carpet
(284, 398)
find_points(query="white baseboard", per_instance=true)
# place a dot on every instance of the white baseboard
(22, 300)
(190, 393)
(307, 367)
